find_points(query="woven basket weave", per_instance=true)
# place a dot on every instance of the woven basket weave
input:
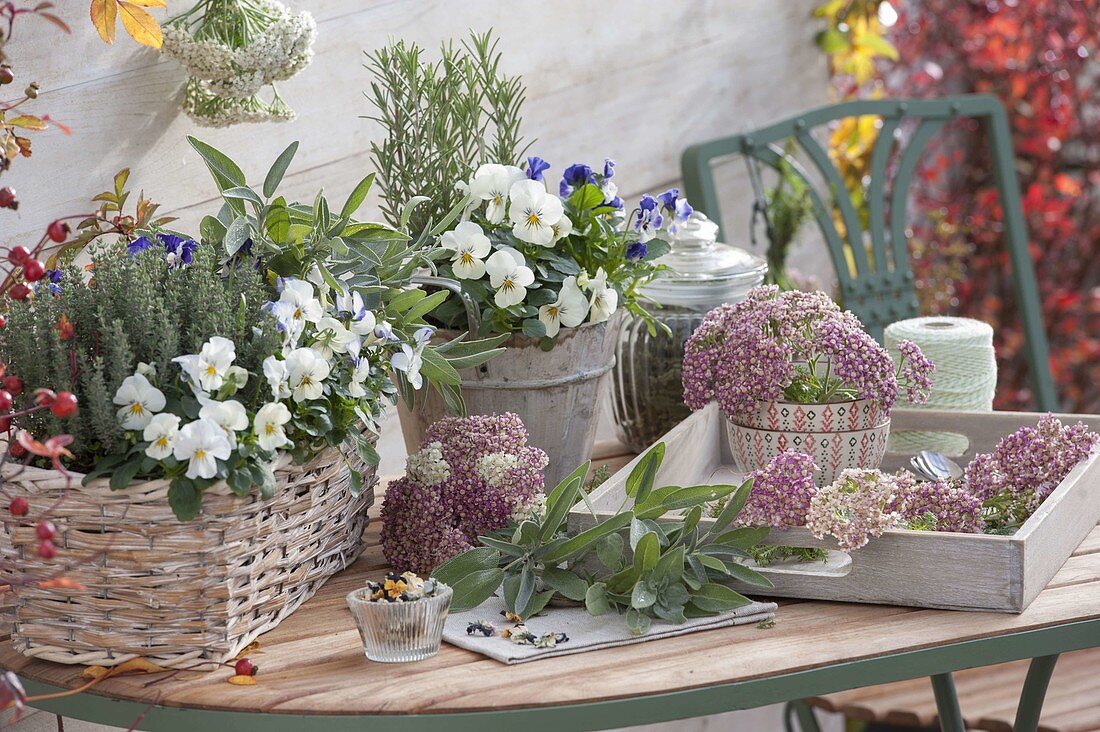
(182, 594)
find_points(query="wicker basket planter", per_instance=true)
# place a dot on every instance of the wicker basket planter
(182, 594)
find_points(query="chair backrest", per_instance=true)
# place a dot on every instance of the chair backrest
(872, 262)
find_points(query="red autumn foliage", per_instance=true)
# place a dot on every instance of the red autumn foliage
(1040, 58)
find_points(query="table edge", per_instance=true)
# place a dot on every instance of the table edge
(620, 712)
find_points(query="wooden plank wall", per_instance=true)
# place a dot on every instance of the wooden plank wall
(636, 81)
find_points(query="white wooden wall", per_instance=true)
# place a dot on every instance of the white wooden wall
(635, 80)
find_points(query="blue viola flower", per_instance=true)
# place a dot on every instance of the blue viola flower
(616, 203)
(648, 218)
(53, 275)
(536, 166)
(575, 176)
(683, 210)
(139, 245)
(668, 198)
(187, 250)
(608, 168)
(636, 250)
(171, 242)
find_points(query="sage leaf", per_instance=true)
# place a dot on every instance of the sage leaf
(595, 600)
(475, 588)
(466, 563)
(565, 582)
(278, 169)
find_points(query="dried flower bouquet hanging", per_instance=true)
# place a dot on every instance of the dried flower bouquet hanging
(233, 50)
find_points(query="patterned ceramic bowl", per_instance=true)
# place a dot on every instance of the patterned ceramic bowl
(832, 451)
(859, 414)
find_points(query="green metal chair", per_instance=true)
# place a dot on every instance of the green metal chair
(881, 289)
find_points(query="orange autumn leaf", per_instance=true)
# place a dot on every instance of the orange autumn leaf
(139, 24)
(104, 13)
(61, 583)
(133, 666)
(249, 650)
(242, 680)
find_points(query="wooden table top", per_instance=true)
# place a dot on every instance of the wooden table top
(313, 662)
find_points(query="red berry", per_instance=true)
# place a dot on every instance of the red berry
(47, 550)
(17, 450)
(19, 506)
(18, 255)
(7, 198)
(58, 231)
(64, 404)
(33, 270)
(3, 321)
(5, 424)
(14, 385)
(19, 291)
(5, 400)
(44, 397)
(245, 667)
(45, 530)
(7, 76)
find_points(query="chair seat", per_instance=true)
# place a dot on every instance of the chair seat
(988, 697)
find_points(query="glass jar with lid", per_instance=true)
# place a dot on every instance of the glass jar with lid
(646, 391)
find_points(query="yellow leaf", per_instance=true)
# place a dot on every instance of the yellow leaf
(242, 680)
(103, 14)
(139, 24)
(28, 122)
(149, 3)
(250, 649)
(134, 665)
(94, 672)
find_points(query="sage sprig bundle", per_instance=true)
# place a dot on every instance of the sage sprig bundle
(674, 569)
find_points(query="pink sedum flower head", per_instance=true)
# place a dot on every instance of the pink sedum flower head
(757, 350)
(469, 477)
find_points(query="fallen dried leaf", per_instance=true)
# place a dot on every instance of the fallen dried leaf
(243, 680)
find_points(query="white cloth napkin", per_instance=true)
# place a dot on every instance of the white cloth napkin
(586, 632)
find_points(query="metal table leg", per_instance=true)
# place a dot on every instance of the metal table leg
(947, 703)
(1034, 692)
(801, 711)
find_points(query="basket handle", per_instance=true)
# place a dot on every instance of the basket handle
(473, 315)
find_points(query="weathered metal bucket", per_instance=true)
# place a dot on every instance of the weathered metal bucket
(557, 393)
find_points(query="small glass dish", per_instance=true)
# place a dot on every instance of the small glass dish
(399, 632)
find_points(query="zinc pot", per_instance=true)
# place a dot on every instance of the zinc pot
(557, 393)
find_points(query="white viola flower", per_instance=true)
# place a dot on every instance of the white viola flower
(318, 280)
(207, 370)
(509, 276)
(230, 415)
(569, 309)
(139, 401)
(562, 229)
(148, 370)
(268, 425)
(359, 374)
(306, 373)
(409, 361)
(201, 443)
(492, 182)
(362, 320)
(604, 299)
(332, 337)
(534, 212)
(296, 306)
(161, 433)
(275, 371)
(470, 247)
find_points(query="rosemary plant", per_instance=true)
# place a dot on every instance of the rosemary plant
(441, 120)
(789, 206)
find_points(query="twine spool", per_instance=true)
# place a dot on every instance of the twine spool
(965, 378)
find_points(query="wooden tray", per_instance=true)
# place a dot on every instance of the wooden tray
(915, 568)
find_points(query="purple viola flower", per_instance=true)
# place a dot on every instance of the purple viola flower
(637, 250)
(187, 250)
(536, 166)
(139, 245)
(53, 275)
(668, 198)
(648, 218)
(575, 176)
(683, 210)
(608, 168)
(616, 203)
